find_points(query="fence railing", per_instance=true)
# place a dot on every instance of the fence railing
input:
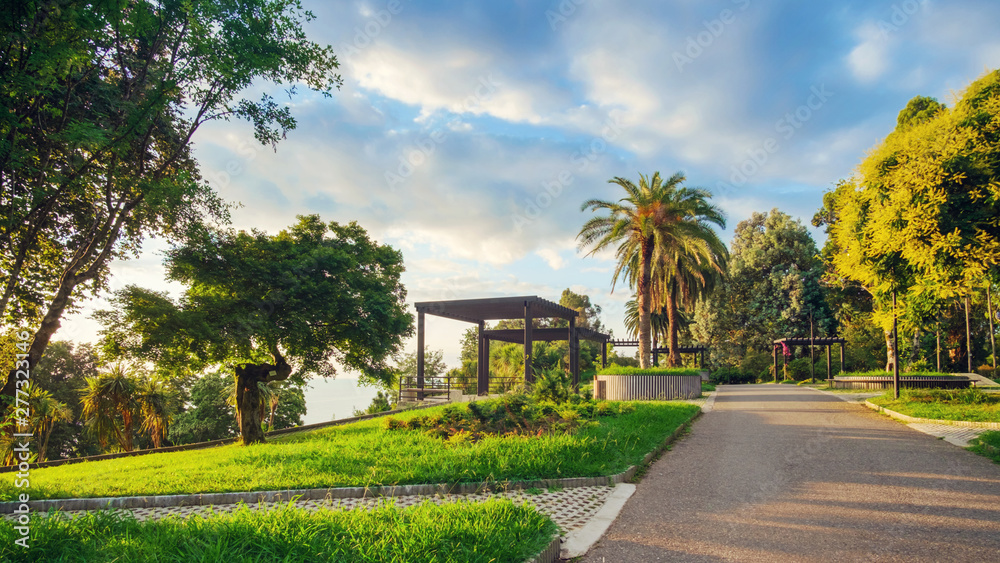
(435, 388)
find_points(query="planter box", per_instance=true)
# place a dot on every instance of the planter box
(885, 382)
(647, 387)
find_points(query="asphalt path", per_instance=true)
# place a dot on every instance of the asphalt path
(783, 473)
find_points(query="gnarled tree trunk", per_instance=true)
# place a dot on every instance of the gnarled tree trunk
(249, 407)
(889, 349)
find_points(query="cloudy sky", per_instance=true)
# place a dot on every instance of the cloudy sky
(467, 134)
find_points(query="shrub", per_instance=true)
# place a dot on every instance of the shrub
(553, 385)
(798, 370)
(618, 370)
(731, 375)
(758, 365)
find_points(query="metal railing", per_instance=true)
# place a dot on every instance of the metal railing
(435, 388)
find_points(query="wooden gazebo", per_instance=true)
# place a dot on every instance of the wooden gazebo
(785, 342)
(478, 311)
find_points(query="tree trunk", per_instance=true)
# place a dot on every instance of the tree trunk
(644, 303)
(249, 407)
(889, 351)
(675, 357)
(915, 349)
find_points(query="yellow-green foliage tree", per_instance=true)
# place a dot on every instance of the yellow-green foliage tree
(921, 217)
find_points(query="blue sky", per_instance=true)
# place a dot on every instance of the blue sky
(467, 134)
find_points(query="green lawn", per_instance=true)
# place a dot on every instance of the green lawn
(943, 404)
(987, 445)
(366, 454)
(497, 530)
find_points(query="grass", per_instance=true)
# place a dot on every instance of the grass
(367, 454)
(619, 370)
(944, 404)
(495, 530)
(707, 387)
(987, 445)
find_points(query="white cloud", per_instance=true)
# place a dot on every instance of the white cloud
(552, 258)
(870, 58)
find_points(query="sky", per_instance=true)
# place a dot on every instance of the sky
(468, 134)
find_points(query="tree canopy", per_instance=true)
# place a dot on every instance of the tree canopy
(273, 307)
(773, 285)
(99, 102)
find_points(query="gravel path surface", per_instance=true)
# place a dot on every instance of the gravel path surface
(778, 474)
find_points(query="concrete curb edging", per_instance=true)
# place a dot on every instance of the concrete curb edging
(254, 497)
(907, 418)
(579, 542)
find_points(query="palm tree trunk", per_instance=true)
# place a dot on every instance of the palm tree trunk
(675, 357)
(643, 298)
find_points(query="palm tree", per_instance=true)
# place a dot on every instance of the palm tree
(155, 404)
(109, 406)
(684, 272)
(46, 411)
(656, 219)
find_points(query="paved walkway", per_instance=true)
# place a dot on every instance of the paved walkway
(779, 474)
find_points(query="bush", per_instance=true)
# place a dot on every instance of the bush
(552, 385)
(985, 371)
(758, 365)
(618, 370)
(731, 375)
(798, 370)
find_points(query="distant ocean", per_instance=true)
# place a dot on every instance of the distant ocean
(335, 399)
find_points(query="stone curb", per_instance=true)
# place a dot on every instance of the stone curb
(907, 418)
(254, 497)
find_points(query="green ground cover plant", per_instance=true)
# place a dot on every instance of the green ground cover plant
(619, 370)
(944, 404)
(511, 415)
(987, 445)
(494, 530)
(366, 453)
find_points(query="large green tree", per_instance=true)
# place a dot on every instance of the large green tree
(772, 287)
(921, 219)
(271, 307)
(654, 219)
(98, 105)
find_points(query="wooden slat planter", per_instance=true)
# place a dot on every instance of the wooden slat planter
(647, 387)
(885, 382)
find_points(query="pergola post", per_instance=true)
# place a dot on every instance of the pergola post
(656, 355)
(784, 366)
(483, 367)
(420, 355)
(842, 344)
(829, 366)
(604, 354)
(774, 352)
(574, 354)
(702, 364)
(529, 377)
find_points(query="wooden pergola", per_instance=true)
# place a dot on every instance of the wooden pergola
(809, 342)
(478, 311)
(698, 351)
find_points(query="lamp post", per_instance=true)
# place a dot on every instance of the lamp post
(812, 351)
